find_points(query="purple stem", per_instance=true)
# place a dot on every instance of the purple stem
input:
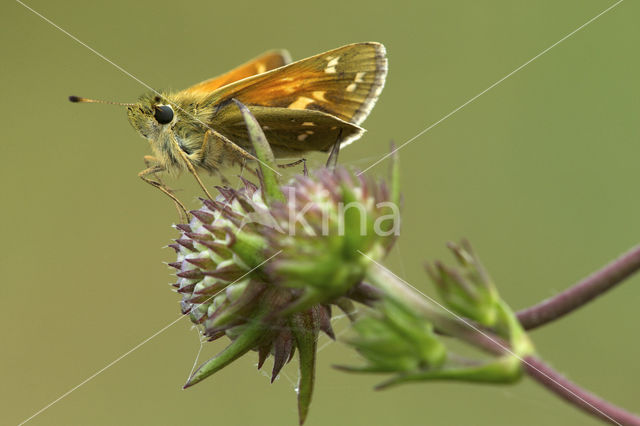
(581, 293)
(573, 394)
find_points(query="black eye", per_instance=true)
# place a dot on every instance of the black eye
(163, 114)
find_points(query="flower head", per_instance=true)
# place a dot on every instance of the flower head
(264, 264)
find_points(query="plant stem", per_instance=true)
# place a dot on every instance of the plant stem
(575, 395)
(581, 293)
(386, 281)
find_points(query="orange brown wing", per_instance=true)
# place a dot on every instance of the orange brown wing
(290, 132)
(344, 82)
(265, 62)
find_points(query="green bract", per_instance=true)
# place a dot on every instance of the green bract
(398, 335)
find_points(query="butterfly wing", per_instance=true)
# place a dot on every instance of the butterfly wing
(290, 132)
(265, 62)
(344, 82)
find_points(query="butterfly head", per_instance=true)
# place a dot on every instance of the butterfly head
(151, 115)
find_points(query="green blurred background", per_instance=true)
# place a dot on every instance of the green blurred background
(540, 173)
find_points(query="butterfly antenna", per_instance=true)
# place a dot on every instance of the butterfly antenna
(78, 99)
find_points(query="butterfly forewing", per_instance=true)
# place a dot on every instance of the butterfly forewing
(265, 62)
(343, 82)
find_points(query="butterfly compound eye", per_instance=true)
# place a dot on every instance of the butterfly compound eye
(163, 114)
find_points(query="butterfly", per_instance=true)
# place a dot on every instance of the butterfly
(308, 105)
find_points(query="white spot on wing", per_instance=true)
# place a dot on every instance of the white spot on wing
(319, 95)
(308, 123)
(351, 87)
(331, 65)
(302, 136)
(359, 76)
(300, 103)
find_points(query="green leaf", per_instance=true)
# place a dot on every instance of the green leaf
(243, 344)
(306, 333)
(265, 155)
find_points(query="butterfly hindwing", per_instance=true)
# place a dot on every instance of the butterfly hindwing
(265, 62)
(289, 132)
(343, 82)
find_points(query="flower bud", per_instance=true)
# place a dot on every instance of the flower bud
(468, 291)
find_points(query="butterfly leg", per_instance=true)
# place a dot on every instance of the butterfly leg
(243, 167)
(152, 170)
(295, 163)
(221, 149)
(188, 161)
(332, 161)
(223, 146)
